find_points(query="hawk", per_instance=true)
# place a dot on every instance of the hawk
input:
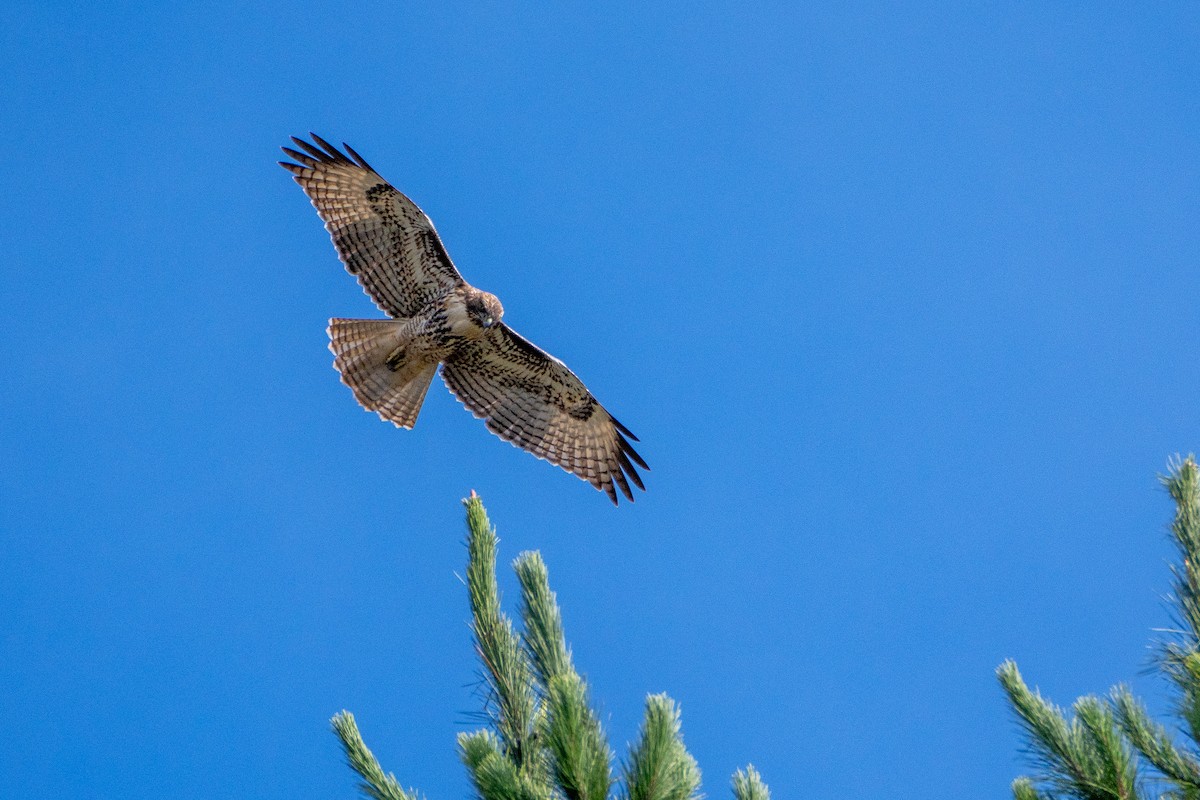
(525, 395)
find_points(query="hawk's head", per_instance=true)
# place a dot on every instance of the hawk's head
(484, 309)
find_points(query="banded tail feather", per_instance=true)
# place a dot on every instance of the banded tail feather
(370, 355)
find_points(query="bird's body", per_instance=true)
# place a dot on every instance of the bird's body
(526, 396)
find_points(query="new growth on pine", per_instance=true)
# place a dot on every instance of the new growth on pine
(543, 740)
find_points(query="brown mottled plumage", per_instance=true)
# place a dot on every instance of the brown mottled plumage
(525, 395)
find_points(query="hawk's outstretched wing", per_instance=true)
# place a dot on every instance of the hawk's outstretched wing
(382, 237)
(529, 398)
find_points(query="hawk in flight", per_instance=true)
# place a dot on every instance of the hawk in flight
(525, 395)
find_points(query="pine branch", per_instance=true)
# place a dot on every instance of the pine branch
(1154, 743)
(1080, 759)
(1183, 484)
(1023, 789)
(1180, 659)
(580, 755)
(1049, 735)
(543, 621)
(375, 784)
(749, 785)
(494, 774)
(545, 741)
(1184, 488)
(513, 703)
(1113, 760)
(659, 767)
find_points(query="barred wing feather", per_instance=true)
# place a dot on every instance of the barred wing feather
(531, 399)
(384, 239)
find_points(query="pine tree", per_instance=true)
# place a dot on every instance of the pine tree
(1101, 750)
(543, 740)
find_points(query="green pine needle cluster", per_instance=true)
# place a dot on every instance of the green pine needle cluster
(543, 740)
(749, 785)
(374, 784)
(1109, 748)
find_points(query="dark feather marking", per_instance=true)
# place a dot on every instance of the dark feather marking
(362, 162)
(623, 429)
(628, 448)
(583, 412)
(312, 150)
(619, 477)
(301, 157)
(334, 153)
(511, 424)
(530, 350)
(628, 467)
(377, 196)
(395, 359)
(434, 244)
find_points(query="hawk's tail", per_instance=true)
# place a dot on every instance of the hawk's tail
(369, 353)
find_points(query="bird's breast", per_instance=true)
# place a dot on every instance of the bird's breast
(458, 322)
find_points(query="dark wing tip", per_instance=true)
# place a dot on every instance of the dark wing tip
(621, 481)
(621, 468)
(322, 152)
(627, 448)
(623, 429)
(630, 470)
(334, 153)
(312, 150)
(362, 162)
(296, 155)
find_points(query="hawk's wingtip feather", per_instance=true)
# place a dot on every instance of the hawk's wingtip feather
(314, 151)
(619, 477)
(623, 429)
(321, 143)
(362, 162)
(332, 152)
(626, 447)
(629, 469)
(307, 161)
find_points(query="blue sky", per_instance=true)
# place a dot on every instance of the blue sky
(900, 299)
